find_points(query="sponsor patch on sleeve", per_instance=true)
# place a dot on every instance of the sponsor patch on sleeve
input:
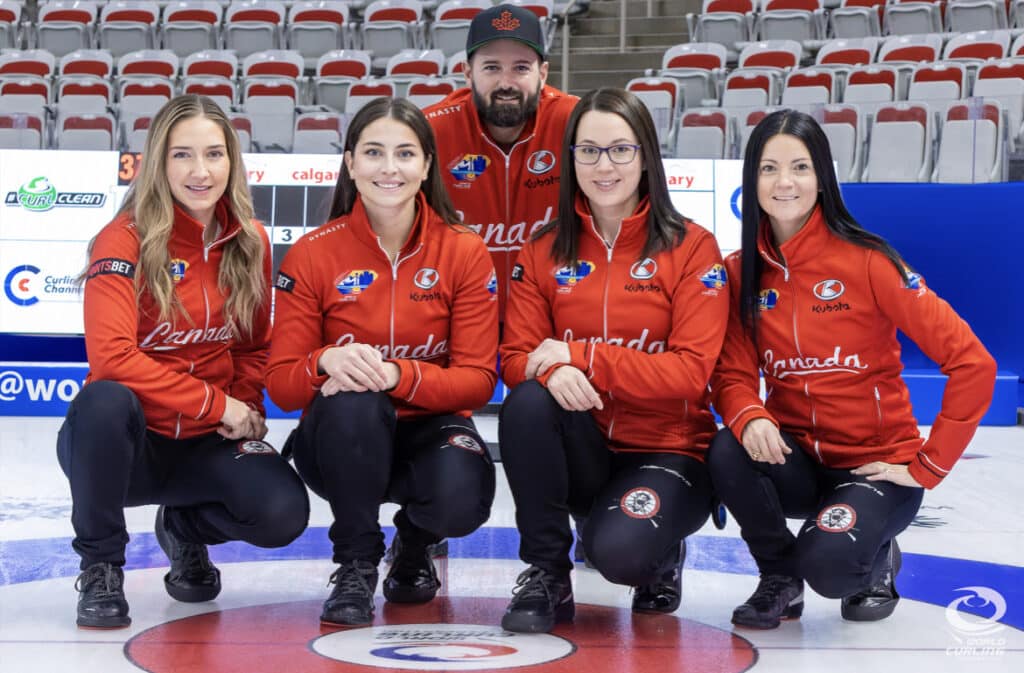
(111, 265)
(284, 282)
(517, 272)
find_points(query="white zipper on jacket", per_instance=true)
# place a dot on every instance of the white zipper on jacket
(394, 283)
(508, 162)
(800, 353)
(610, 247)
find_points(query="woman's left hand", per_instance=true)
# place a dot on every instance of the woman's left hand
(879, 471)
(549, 352)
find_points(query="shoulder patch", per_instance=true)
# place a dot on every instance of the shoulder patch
(517, 273)
(284, 282)
(111, 266)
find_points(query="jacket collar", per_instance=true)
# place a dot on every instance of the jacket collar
(633, 232)
(803, 247)
(191, 230)
(359, 221)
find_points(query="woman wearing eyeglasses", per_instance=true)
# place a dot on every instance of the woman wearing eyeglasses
(616, 316)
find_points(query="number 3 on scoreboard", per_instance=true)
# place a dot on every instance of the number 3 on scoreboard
(129, 167)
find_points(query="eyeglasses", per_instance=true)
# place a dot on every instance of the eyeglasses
(591, 154)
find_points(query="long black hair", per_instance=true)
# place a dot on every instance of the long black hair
(403, 111)
(665, 226)
(837, 218)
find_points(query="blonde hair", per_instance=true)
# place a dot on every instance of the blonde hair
(150, 206)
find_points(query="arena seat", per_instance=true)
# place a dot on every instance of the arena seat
(979, 45)
(1003, 81)
(253, 25)
(65, 25)
(972, 144)
(857, 19)
(699, 67)
(315, 28)
(270, 103)
(900, 149)
(727, 22)
(366, 90)
(86, 131)
(703, 134)
(388, 27)
(128, 25)
(968, 15)
(21, 131)
(913, 17)
(336, 71)
(190, 26)
(319, 133)
(810, 85)
(425, 91)
(450, 26)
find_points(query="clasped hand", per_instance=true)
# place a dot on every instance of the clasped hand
(241, 421)
(356, 368)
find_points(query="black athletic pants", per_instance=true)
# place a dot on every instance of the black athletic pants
(352, 451)
(638, 506)
(849, 521)
(214, 489)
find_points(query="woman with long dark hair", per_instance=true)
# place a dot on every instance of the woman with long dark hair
(386, 334)
(615, 320)
(177, 328)
(816, 303)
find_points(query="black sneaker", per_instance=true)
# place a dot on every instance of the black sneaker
(101, 603)
(412, 577)
(665, 594)
(193, 578)
(777, 597)
(351, 599)
(539, 601)
(879, 600)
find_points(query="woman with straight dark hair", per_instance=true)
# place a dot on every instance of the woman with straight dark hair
(386, 337)
(177, 328)
(815, 310)
(615, 320)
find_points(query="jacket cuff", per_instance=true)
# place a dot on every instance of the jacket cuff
(543, 378)
(922, 474)
(406, 379)
(217, 405)
(579, 355)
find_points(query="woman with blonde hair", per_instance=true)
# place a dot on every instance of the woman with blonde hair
(177, 329)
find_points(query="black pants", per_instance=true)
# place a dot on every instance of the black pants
(215, 489)
(848, 525)
(638, 506)
(352, 451)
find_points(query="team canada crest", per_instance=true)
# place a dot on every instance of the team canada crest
(640, 503)
(253, 446)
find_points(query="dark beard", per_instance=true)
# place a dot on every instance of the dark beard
(506, 115)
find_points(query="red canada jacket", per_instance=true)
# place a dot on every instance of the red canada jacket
(831, 361)
(433, 312)
(503, 197)
(181, 369)
(646, 332)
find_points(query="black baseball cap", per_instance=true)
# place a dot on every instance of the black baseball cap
(506, 22)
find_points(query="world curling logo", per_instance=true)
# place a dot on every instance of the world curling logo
(39, 195)
(441, 647)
